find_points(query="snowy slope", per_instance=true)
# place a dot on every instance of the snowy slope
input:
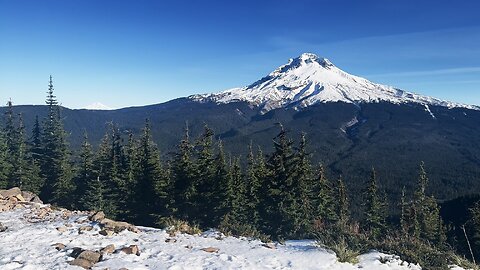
(98, 106)
(309, 79)
(27, 245)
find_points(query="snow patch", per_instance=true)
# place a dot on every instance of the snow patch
(97, 106)
(29, 246)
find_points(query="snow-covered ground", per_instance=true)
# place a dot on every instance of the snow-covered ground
(27, 245)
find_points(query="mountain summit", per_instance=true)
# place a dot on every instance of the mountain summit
(310, 79)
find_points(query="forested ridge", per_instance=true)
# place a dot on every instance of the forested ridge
(274, 196)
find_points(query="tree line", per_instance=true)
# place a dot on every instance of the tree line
(280, 195)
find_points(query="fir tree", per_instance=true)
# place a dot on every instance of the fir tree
(55, 165)
(374, 208)
(5, 166)
(35, 143)
(85, 186)
(281, 204)
(253, 185)
(323, 201)
(342, 205)
(151, 182)
(183, 175)
(219, 200)
(427, 212)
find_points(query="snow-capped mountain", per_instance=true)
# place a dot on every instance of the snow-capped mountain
(309, 79)
(98, 106)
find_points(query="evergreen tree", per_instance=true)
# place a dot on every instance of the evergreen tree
(342, 205)
(55, 164)
(403, 214)
(426, 211)
(5, 166)
(236, 194)
(303, 189)
(323, 194)
(204, 178)
(89, 192)
(110, 167)
(374, 208)
(183, 175)
(253, 185)
(151, 182)
(219, 200)
(35, 143)
(281, 204)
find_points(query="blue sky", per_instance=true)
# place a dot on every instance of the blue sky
(124, 53)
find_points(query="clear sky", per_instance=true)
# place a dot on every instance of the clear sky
(136, 52)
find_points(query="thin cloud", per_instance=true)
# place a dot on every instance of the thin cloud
(446, 71)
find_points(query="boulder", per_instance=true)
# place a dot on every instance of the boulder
(9, 193)
(108, 249)
(30, 197)
(2, 227)
(62, 229)
(83, 229)
(210, 250)
(118, 226)
(269, 245)
(82, 263)
(133, 249)
(76, 252)
(91, 256)
(59, 246)
(106, 232)
(97, 216)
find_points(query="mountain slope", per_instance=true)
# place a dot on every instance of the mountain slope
(309, 79)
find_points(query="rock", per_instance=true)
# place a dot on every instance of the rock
(170, 240)
(76, 252)
(108, 249)
(118, 226)
(59, 246)
(133, 249)
(269, 245)
(82, 263)
(189, 247)
(210, 250)
(20, 198)
(91, 256)
(2, 227)
(62, 229)
(9, 193)
(106, 232)
(30, 197)
(83, 229)
(97, 217)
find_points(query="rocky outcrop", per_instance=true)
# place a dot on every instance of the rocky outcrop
(85, 258)
(110, 226)
(15, 198)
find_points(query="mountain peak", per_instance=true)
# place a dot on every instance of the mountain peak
(309, 79)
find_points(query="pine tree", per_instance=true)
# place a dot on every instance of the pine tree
(342, 205)
(219, 200)
(374, 208)
(204, 178)
(403, 214)
(35, 142)
(253, 184)
(5, 166)
(86, 189)
(323, 194)
(55, 165)
(303, 189)
(236, 194)
(428, 223)
(151, 182)
(110, 167)
(183, 175)
(281, 204)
